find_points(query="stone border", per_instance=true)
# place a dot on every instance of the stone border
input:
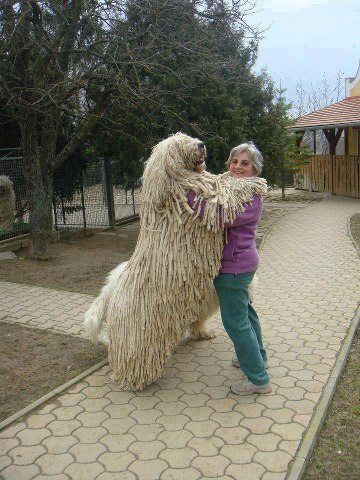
(312, 433)
(5, 423)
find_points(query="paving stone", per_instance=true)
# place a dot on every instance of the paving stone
(281, 415)
(171, 408)
(181, 474)
(31, 436)
(267, 442)
(87, 453)
(58, 445)
(116, 461)
(206, 446)
(116, 476)
(289, 446)
(211, 466)
(72, 399)
(178, 458)
(118, 443)
(169, 395)
(84, 471)
(251, 471)
(197, 414)
(300, 406)
(144, 403)
(147, 450)
(144, 417)
(148, 469)
(5, 461)
(271, 401)
(273, 461)
(289, 431)
(257, 425)
(203, 428)
(39, 421)
(67, 413)
(175, 439)
(194, 400)
(92, 419)
(89, 434)
(273, 476)
(227, 419)
(61, 476)
(63, 427)
(54, 464)
(173, 422)
(250, 410)
(26, 455)
(8, 444)
(233, 435)
(239, 453)
(118, 425)
(146, 433)
(23, 472)
(222, 404)
(119, 398)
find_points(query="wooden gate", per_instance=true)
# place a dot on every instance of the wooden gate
(337, 174)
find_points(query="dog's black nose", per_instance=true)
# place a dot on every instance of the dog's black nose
(201, 145)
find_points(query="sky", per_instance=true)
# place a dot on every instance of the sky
(307, 39)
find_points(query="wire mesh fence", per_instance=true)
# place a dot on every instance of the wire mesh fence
(84, 199)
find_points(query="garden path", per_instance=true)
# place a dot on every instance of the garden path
(187, 425)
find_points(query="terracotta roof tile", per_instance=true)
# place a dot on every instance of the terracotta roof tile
(346, 112)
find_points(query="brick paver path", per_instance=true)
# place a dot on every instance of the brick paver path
(187, 426)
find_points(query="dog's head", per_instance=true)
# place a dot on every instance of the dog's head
(180, 151)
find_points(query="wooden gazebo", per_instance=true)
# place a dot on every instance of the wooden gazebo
(338, 174)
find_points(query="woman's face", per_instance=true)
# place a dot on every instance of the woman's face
(241, 166)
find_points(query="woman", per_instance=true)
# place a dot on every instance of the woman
(240, 260)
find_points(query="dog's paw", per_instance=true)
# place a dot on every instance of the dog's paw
(206, 335)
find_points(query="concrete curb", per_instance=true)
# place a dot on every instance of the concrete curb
(312, 433)
(5, 423)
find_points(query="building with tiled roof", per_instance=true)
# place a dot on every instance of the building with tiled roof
(333, 120)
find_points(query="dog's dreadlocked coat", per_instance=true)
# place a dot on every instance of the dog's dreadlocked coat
(166, 287)
(7, 202)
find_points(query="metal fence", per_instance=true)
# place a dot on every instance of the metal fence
(94, 202)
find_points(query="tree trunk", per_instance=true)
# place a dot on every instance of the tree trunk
(283, 182)
(39, 184)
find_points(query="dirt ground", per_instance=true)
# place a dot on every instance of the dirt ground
(81, 262)
(34, 362)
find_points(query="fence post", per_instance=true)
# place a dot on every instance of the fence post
(109, 192)
(82, 199)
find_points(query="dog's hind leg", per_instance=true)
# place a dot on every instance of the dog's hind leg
(198, 328)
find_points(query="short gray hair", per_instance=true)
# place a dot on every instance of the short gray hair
(256, 158)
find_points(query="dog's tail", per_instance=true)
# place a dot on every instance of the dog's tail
(95, 316)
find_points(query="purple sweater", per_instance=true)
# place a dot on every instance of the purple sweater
(239, 254)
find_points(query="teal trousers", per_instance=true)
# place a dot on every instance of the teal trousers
(242, 324)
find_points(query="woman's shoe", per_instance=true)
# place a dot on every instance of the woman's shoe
(245, 387)
(235, 363)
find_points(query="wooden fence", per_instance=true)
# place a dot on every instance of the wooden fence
(337, 174)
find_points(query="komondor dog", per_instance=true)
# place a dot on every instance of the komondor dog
(7, 202)
(166, 287)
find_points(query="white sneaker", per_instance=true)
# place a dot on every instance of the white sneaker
(235, 362)
(245, 387)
